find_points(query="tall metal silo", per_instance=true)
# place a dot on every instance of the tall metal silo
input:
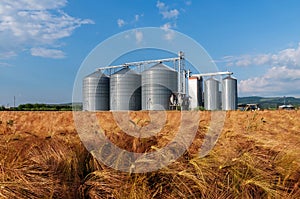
(96, 92)
(229, 94)
(125, 90)
(158, 83)
(212, 97)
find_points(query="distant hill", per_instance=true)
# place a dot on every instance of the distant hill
(269, 102)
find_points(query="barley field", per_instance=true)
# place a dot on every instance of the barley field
(256, 156)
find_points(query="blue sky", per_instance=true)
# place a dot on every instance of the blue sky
(44, 42)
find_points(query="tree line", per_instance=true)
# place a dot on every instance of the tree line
(42, 107)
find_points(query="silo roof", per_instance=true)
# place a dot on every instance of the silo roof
(125, 71)
(212, 79)
(160, 66)
(97, 74)
(229, 77)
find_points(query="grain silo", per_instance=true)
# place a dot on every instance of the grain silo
(229, 94)
(158, 83)
(212, 97)
(195, 92)
(125, 90)
(96, 92)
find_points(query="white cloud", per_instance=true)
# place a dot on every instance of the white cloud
(289, 57)
(166, 26)
(7, 54)
(170, 34)
(277, 81)
(136, 19)
(138, 36)
(166, 12)
(261, 59)
(32, 4)
(170, 14)
(121, 23)
(47, 53)
(34, 23)
(160, 5)
(282, 77)
(245, 61)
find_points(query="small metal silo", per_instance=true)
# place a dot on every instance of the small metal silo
(125, 90)
(158, 83)
(229, 94)
(212, 97)
(96, 92)
(195, 92)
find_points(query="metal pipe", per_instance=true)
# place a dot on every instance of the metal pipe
(212, 74)
(139, 63)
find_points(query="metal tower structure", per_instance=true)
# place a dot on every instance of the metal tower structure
(179, 66)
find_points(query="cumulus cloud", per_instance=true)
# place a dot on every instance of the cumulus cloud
(120, 23)
(133, 22)
(166, 26)
(170, 34)
(170, 14)
(289, 57)
(280, 79)
(166, 12)
(47, 53)
(32, 23)
(160, 5)
(277, 81)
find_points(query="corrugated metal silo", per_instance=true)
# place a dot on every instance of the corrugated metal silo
(96, 92)
(158, 83)
(212, 97)
(125, 90)
(229, 94)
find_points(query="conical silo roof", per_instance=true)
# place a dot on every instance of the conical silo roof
(229, 77)
(160, 66)
(125, 71)
(96, 74)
